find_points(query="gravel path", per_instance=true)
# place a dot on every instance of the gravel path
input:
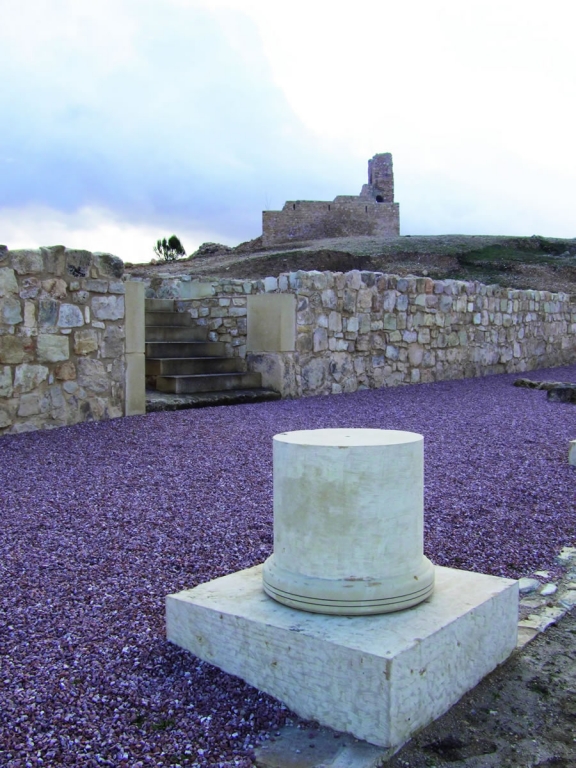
(100, 521)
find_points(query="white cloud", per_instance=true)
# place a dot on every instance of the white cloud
(200, 113)
(91, 229)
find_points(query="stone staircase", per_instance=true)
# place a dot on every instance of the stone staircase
(186, 370)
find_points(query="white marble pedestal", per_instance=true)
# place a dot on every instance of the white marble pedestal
(380, 677)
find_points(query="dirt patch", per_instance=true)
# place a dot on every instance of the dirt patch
(522, 715)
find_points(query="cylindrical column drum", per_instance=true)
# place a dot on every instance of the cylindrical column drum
(348, 522)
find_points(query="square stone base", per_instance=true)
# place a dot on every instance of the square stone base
(380, 678)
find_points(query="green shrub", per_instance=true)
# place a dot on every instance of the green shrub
(169, 250)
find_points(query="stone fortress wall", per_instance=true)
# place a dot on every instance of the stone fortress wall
(372, 213)
(317, 333)
(63, 341)
(72, 332)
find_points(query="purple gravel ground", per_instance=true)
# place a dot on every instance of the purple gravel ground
(100, 521)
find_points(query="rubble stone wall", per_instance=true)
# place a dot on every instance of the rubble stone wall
(62, 338)
(365, 329)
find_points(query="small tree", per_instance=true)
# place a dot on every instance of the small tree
(169, 250)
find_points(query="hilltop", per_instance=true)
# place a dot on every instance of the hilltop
(536, 262)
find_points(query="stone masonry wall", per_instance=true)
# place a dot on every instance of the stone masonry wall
(62, 340)
(344, 217)
(365, 329)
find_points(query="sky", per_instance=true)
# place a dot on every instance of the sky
(125, 121)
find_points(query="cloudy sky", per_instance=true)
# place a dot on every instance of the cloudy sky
(128, 120)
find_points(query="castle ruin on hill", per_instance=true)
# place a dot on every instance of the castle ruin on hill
(372, 212)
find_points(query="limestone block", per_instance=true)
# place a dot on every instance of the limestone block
(8, 282)
(92, 375)
(320, 340)
(48, 312)
(107, 265)
(85, 341)
(5, 381)
(112, 347)
(335, 322)
(313, 375)
(96, 286)
(29, 376)
(27, 262)
(55, 287)
(135, 384)
(10, 311)
(29, 314)
(108, 307)
(30, 404)
(81, 297)
(278, 372)
(65, 371)
(5, 418)
(52, 348)
(15, 349)
(30, 287)
(70, 316)
(380, 678)
(78, 262)
(271, 323)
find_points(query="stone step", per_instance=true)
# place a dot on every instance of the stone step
(185, 349)
(159, 305)
(189, 366)
(176, 333)
(165, 401)
(167, 318)
(208, 382)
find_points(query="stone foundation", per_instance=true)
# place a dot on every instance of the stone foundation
(380, 678)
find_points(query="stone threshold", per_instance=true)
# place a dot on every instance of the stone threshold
(165, 401)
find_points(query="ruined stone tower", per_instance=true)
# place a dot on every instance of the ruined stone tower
(372, 213)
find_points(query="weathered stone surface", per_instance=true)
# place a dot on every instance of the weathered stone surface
(52, 348)
(65, 371)
(29, 314)
(562, 394)
(113, 343)
(95, 286)
(85, 341)
(92, 375)
(108, 307)
(29, 376)
(27, 262)
(10, 311)
(6, 381)
(78, 263)
(70, 316)
(48, 312)
(15, 349)
(5, 418)
(30, 288)
(108, 265)
(8, 283)
(55, 287)
(314, 374)
(30, 404)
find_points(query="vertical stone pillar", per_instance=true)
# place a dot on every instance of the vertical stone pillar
(135, 382)
(348, 522)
